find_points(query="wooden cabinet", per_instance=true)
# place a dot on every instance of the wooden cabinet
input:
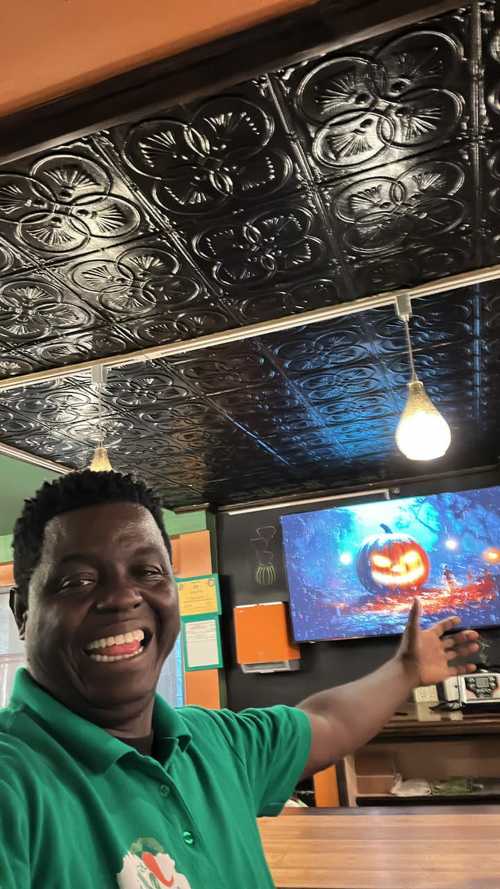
(432, 748)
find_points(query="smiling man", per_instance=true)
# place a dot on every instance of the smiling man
(102, 784)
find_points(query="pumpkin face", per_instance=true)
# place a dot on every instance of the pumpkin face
(392, 562)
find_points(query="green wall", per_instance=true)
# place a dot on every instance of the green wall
(5, 548)
(186, 522)
(18, 481)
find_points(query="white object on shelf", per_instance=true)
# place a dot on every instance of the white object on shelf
(426, 694)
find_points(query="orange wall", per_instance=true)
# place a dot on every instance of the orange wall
(52, 47)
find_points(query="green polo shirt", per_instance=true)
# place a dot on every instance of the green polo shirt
(80, 809)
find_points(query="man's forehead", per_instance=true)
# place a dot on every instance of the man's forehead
(96, 525)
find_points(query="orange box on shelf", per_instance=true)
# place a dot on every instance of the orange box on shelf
(262, 634)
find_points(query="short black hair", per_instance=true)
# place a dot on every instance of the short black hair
(74, 491)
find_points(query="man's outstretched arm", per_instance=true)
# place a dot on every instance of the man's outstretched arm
(346, 717)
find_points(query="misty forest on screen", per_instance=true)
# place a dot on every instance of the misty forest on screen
(354, 571)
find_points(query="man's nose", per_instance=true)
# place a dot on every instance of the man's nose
(119, 593)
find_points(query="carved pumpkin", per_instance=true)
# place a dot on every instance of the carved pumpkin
(392, 562)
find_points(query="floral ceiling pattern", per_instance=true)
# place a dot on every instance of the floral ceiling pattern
(364, 170)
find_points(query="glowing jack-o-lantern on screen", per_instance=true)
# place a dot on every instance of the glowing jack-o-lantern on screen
(391, 562)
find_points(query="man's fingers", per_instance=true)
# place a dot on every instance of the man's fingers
(413, 624)
(462, 651)
(465, 637)
(443, 626)
(462, 669)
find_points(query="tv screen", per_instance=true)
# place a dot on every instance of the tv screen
(354, 571)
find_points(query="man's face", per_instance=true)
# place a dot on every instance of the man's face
(104, 572)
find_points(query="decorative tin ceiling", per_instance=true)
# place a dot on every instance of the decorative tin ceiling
(343, 176)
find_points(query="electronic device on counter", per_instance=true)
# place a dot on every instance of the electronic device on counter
(479, 691)
(449, 690)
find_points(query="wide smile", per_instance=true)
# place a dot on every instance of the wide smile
(120, 647)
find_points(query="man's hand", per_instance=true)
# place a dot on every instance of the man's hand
(346, 717)
(427, 656)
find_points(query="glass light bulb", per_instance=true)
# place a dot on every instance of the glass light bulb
(100, 461)
(422, 433)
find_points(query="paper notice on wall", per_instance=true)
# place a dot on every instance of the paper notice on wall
(202, 647)
(199, 595)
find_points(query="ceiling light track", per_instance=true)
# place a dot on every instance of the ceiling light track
(17, 454)
(262, 328)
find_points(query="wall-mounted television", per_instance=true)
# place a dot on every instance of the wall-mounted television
(353, 571)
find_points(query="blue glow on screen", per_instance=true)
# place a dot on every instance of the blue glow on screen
(354, 570)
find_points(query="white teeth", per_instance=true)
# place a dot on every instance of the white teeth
(104, 658)
(117, 640)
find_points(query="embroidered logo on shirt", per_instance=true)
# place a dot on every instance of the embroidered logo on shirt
(147, 866)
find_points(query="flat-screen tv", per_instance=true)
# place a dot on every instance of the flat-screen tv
(354, 571)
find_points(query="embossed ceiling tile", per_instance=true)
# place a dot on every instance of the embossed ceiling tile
(60, 351)
(444, 258)
(319, 347)
(490, 303)
(13, 427)
(491, 185)
(144, 386)
(116, 428)
(490, 127)
(264, 410)
(43, 442)
(457, 361)
(183, 324)
(14, 363)
(237, 367)
(66, 202)
(358, 409)
(355, 381)
(306, 440)
(12, 260)
(437, 321)
(57, 404)
(382, 101)
(146, 277)
(420, 206)
(32, 307)
(198, 414)
(267, 304)
(213, 157)
(278, 245)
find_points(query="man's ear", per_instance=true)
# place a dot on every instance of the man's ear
(19, 608)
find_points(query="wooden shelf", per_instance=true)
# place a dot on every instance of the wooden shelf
(428, 745)
(470, 799)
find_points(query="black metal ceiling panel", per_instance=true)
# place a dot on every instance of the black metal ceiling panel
(361, 171)
(313, 408)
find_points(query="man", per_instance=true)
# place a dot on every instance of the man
(103, 785)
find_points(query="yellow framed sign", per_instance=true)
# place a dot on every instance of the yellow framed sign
(199, 595)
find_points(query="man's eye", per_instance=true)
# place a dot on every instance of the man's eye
(149, 572)
(76, 582)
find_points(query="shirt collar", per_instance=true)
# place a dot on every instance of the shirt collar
(86, 741)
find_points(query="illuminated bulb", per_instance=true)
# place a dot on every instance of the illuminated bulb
(100, 461)
(422, 433)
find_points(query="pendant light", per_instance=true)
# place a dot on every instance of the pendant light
(422, 432)
(100, 460)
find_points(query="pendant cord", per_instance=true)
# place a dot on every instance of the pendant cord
(100, 439)
(414, 377)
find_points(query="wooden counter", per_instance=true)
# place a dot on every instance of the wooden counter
(446, 848)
